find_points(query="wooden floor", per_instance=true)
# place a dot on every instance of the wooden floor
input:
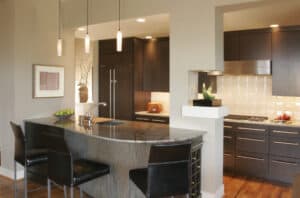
(235, 187)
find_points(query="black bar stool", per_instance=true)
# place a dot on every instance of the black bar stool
(168, 172)
(65, 171)
(27, 158)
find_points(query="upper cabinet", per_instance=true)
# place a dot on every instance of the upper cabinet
(156, 65)
(285, 62)
(248, 45)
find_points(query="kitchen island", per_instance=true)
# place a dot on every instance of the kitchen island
(124, 145)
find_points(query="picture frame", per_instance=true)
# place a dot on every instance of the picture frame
(48, 81)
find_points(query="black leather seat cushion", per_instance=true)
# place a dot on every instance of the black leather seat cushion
(36, 156)
(139, 177)
(85, 170)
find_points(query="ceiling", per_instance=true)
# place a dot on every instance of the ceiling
(156, 26)
(283, 13)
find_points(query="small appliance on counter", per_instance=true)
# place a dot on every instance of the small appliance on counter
(153, 107)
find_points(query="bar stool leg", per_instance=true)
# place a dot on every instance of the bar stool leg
(15, 180)
(72, 192)
(65, 192)
(81, 192)
(25, 181)
(49, 188)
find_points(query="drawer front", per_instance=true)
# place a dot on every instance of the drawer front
(251, 164)
(249, 142)
(252, 129)
(287, 132)
(287, 147)
(228, 161)
(283, 169)
(156, 119)
(229, 144)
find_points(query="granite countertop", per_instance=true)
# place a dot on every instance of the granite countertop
(145, 113)
(266, 122)
(128, 131)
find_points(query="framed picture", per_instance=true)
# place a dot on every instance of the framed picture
(48, 81)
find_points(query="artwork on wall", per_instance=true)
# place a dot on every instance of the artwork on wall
(48, 81)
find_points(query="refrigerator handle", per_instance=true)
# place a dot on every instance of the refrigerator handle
(110, 93)
(114, 94)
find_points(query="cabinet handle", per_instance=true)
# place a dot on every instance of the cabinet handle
(156, 120)
(286, 163)
(286, 143)
(251, 129)
(227, 126)
(251, 139)
(227, 137)
(143, 119)
(252, 158)
(285, 132)
(225, 154)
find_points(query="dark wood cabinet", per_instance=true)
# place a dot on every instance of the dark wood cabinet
(248, 45)
(231, 46)
(126, 67)
(156, 65)
(285, 62)
(229, 147)
(155, 119)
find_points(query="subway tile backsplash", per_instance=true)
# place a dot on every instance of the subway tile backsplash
(252, 95)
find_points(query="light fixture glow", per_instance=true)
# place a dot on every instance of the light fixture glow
(141, 20)
(148, 37)
(59, 47)
(274, 25)
(119, 41)
(87, 44)
(81, 29)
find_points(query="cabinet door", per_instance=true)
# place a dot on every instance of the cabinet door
(255, 45)
(285, 65)
(156, 65)
(231, 46)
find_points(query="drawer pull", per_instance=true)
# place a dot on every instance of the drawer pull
(227, 126)
(225, 154)
(227, 137)
(285, 132)
(252, 158)
(251, 129)
(285, 163)
(156, 120)
(143, 119)
(287, 143)
(251, 139)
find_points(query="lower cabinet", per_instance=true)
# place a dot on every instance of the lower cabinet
(252, 164)
(156, 119)
(195, 189)
(268, 152)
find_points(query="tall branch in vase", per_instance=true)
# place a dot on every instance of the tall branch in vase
(85, 70)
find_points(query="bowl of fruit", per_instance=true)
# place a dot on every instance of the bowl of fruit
(283, 117)
(64, 114)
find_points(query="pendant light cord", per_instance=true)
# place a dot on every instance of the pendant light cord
(119, 15)
(87, 16)
(59, 19)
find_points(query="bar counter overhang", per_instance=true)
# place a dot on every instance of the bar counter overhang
(123, 146)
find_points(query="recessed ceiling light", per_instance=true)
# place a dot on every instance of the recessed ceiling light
(141, 20)
(274, 25)
(148, 37)
(81, 29)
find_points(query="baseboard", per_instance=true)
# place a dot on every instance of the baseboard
(218, 194)
(10, 173)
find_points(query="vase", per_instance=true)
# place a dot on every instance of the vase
(83, 94)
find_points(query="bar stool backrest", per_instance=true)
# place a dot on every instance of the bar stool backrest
(169, 170)
(19, 154)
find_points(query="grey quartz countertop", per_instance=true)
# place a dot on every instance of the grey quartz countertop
(127, 131)
(295, 124)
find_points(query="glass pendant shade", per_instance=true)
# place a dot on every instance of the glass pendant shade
(87, 43)
(59, 47)
(119, 41)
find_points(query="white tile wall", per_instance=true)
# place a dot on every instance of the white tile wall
(252, 95)
(163, 98)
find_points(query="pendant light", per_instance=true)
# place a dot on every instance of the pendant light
(59, 45)
(119, 33)
(87, 40)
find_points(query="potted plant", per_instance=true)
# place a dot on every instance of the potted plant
(208, 98)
